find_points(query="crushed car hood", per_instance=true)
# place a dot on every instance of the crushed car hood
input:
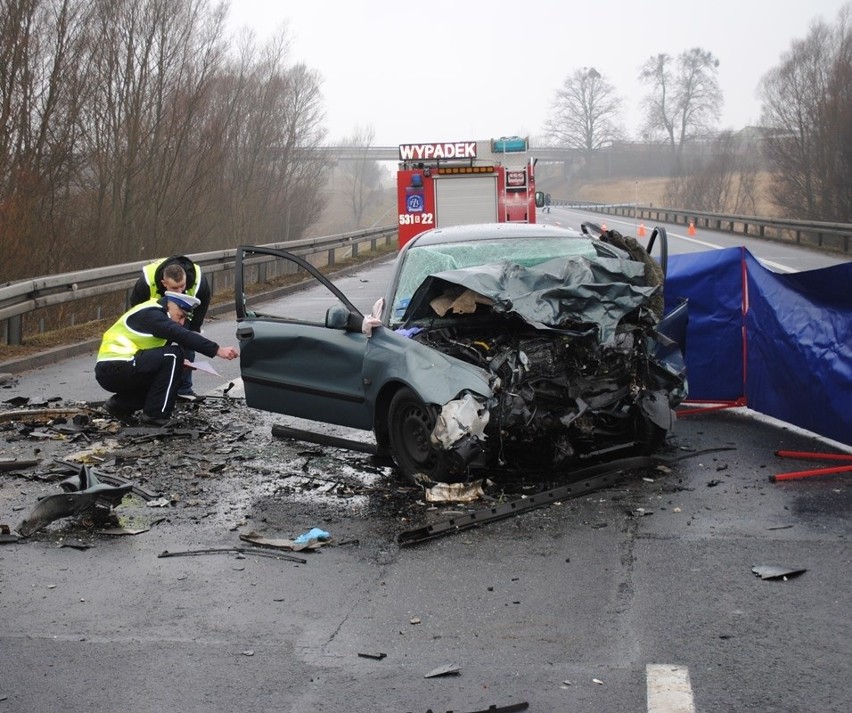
(575, 293)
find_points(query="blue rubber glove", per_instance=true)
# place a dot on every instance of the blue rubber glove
(312, 534)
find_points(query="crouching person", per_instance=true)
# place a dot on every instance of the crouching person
(141, 357)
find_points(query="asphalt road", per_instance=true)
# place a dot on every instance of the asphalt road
(639, 597)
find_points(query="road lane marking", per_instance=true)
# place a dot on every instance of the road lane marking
(669, 689)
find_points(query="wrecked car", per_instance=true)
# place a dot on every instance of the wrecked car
(499, 347)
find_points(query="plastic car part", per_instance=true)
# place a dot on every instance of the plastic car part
(84, 492)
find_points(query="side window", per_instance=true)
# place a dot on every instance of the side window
(268, 276)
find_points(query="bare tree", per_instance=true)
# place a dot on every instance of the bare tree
(584, 115)
(128, 133)
(40, 94)
(364, 173)
(807, 114)
(726, 183)
(684, 100)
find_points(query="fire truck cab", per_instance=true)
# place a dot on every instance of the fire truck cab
(464, 182)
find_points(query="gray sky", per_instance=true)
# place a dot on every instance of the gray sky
(451, 70)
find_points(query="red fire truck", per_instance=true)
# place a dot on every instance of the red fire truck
(463, 182)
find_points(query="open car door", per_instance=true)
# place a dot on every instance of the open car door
(306, 361)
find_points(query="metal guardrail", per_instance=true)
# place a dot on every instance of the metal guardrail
(827, 236)
(20, 298)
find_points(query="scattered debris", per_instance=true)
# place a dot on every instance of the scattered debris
(376, 657)
(446, 670)
(312, 535)
(15, 464)
(284, 544)
(455, 492)
(7, 536)
(773, 571)
(239, 551)
(84, 494)
(587, 480)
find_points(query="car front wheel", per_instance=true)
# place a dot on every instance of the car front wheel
(410, 424)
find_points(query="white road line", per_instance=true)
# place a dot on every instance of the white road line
(669, 690)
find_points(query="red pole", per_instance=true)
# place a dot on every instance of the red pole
(808, 473)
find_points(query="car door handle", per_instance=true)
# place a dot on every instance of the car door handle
(245, 333)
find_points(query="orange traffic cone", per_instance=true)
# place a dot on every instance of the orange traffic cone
(691, 230)
(641, 230)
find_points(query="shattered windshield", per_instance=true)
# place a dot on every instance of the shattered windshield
(422, 261)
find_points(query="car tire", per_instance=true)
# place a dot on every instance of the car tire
(410, 424)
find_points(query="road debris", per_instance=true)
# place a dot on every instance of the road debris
(446, 670)
(84, 494)
(774, 571)
(284, 544)
(239, 551)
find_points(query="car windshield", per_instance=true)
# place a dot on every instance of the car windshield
(424, 260)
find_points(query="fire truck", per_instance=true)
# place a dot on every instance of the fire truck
(464, 182)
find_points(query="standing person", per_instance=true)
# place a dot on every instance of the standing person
(547, 203)
(141, 357)
(176, 274)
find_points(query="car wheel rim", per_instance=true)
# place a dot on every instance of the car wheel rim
(415, 430)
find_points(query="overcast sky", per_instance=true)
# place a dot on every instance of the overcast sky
(453, 70)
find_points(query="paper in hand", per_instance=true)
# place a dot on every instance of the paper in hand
(201, 365)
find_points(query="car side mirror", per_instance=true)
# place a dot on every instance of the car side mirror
(539, 199)
(339, 317)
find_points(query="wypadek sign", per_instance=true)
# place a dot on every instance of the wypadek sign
(433, 152)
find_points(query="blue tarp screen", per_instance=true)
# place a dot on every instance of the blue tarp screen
(781, 342)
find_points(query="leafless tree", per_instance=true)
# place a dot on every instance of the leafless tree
(130, 132)
(40, 94)
(726, 183)
(684, 100)
(807, 114)
(365, 174)
(585, 113)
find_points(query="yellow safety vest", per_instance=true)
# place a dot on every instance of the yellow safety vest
(120, 342)
(149, 272)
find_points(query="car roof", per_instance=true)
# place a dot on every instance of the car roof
(492, 231)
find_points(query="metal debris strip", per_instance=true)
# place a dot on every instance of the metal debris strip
(589, 479)
(511, 708)
(244, 551)
(14, 464)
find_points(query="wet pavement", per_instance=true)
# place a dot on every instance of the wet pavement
(566, 607)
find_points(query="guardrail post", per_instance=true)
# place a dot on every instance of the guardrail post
(354, 248)
(14, 330)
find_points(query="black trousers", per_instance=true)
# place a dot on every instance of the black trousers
(149, 381)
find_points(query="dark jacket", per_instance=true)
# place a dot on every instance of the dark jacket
(155, 320)
(142, 290)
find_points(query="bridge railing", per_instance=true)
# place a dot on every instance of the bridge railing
(827, 236)
(25, 297)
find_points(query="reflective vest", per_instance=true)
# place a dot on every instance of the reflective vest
(149, 272)
(120, 342)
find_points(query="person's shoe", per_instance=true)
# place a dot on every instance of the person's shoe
(157, 421)
(116, 408)
(190, 396)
